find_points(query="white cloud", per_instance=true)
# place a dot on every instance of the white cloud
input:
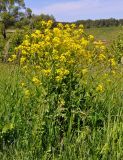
(70, 6)
(83, 9)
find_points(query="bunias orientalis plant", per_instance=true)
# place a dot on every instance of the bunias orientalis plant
(65, 71)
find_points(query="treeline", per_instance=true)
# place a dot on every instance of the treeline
(97, 23)
(100, 22)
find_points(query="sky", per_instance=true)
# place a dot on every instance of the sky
(73, 10)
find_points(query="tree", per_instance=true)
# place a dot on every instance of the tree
(9, 11)
(29, 12)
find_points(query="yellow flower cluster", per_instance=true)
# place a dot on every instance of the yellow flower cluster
(56, 53)
(112, 62)
(56, 50)
(27, 93)
(36, 81)
(13, 58)
(100, 88)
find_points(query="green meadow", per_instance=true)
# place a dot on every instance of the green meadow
(105, 33)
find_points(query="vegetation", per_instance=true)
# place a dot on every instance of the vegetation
(9, 13)
(100, 22)
(61, 96)
(60, 87)
(106, 34)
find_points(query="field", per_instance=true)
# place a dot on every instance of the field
(105, 33)
(62, 98)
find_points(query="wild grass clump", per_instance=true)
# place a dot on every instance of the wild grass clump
(64, 101)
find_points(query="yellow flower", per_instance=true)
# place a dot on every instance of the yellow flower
(26, 43)
(25, 67)
(66, 72)
(24, 52)
(71, 62)
(102, 57)
(60, 25)
(57, 31)
(26, 37)
(100, 88)
(73, 26)
(102, 47)
(56, 41)
(91, 37)
(113, 72)
(81, 26)
(84, 71)
(84, 42)
(61, 102)
(62, 58)
(49, 23)
(58, 78)
(108, 80)
(27, 93)
(22, 84)
(36, 81)
(47, 38)
(22, 60)
(10, 60)
(46, 72)
(37, 67)
(67, 26)
(38, 32)
(43, 23)
(112, 62)
(98, 43)
(14, 57)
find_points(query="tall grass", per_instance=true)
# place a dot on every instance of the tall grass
(30, 129)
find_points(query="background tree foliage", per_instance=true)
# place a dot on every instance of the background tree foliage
(9, 13)
(100, 22)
